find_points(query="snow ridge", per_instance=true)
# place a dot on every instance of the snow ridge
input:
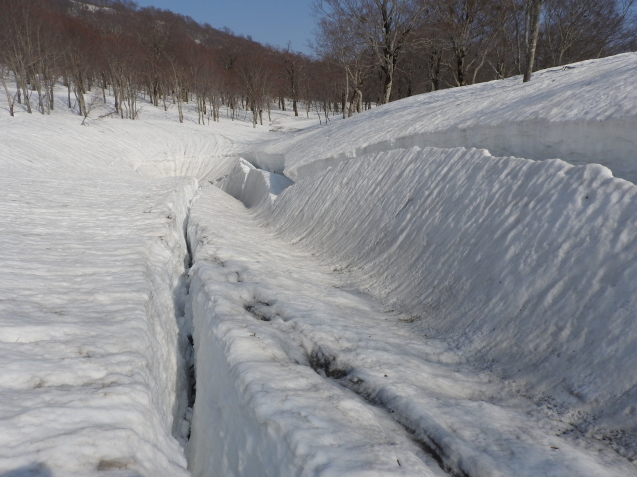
(512, 259)
(582, 114)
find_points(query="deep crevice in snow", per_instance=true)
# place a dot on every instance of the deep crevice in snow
(186, 390)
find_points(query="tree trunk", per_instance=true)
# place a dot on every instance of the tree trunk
(461, 54)
(51, 97)
(533, 9)
(387, 85)
(10, 100)
(17, 89)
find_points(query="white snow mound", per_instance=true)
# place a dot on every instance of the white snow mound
(582, 113)
(526, 266)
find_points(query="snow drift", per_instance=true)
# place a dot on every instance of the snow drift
(582, 113)
(527, 266)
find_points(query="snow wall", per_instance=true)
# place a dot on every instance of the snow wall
(162, 341)
(583, 114)
(527, 266)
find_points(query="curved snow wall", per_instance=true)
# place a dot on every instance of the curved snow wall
(610, 143)
(530, 267)
(253, 186)
(583, 113)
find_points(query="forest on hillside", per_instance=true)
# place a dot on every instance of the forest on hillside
(366, 52)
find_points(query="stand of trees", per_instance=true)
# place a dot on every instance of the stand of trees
(391, 49)
(368, 52)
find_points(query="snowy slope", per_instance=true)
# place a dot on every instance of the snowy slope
(409, 311)
(526, 266)
(299, 373)
(92, 257)
(584, 113)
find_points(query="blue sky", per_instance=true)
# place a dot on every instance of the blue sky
(267, 21)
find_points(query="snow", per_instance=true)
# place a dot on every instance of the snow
(266, 314)
(400, 309)
(88, 348)
(584, 113)
(252, 185)
(93, 338)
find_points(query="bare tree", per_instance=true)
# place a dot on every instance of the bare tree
(580, 29)
(4, 72)
(337, 43)
(293, 66)
(470, 27)
(383, 25)
(255, 79)
(532, 32)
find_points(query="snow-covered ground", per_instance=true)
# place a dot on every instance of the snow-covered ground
(409, 311)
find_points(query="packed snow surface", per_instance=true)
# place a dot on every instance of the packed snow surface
(91, 256)
(401, 309)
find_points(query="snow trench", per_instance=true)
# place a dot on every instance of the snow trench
(262, 407)
(300, 374)
(524, 266)
(170, 362)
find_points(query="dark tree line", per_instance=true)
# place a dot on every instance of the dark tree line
(368, 51)
(390, 49)
(114, 48)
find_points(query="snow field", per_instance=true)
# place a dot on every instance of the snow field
(88, 348)
(408, 311)
(583, 113)
(92, 256)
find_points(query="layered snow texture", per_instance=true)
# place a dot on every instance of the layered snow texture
(92, 256)
(299, 372)
(526, 268)
(582, 113)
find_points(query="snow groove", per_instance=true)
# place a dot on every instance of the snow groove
(266, 314)
(331, 367)
(249, 355)
(187, 387)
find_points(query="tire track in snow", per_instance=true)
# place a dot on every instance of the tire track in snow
(333, 368)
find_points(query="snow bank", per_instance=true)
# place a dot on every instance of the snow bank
(261, 409)
(251, 185)
(92, 258)
(529, 267)
(583, 113)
